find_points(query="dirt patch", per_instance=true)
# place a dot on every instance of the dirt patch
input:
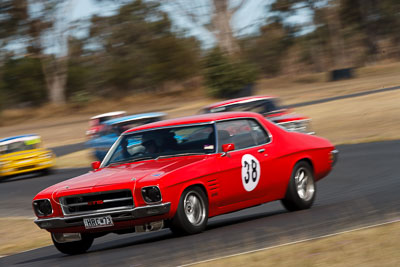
(378, 246)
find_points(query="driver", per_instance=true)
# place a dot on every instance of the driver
(149, 142)
(150, 147)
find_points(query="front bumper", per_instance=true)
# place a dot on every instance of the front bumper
(117, 216)
(21, 169)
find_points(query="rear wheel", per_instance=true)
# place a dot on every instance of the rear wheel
(301, 190)
(74, 247)
(192, 214)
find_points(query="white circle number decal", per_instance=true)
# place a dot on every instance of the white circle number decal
(250, 172)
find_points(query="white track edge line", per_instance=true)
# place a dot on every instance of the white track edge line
(292, 243)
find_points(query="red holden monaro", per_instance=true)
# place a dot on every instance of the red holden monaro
(178, 173)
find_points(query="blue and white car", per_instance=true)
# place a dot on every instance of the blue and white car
(104, 139)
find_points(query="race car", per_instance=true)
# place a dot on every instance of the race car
(23, 154)
(267, 106)
(96, 122)
(178, 173)
(112, 129)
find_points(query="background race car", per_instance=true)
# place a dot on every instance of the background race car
(23, 154)
(96, 122)
(267, 106)
(112, 129)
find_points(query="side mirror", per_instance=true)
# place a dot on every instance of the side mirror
(96, 165)
(227, 147)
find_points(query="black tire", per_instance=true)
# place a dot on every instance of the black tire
(300, 197)
(189, 219)
(75, 247)
(47, 171)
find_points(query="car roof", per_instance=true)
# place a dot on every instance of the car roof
(239, 100)
(108, 114)
(196, 119)
(136, 117)
(18, 138)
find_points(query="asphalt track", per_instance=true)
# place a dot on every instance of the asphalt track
(363, 189)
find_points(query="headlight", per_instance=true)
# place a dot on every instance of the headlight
(42, 207)
(333, 157)
(4, 163)
(151, 194)
(48, 155)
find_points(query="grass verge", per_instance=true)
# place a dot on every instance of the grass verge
(19, 234)
(377, 246)
(67, 125)
(78, 159)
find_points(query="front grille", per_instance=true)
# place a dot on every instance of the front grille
(97, 202)
(26, 167)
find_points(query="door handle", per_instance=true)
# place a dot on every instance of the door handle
(261, 150)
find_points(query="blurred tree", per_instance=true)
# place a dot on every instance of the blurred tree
(375, 20)
(226, 76)
(34, 27)
(13, 14)
(215, 16)
(269, 48)
(20, 87)
(327, 29)
(137, 48)
(80, 70)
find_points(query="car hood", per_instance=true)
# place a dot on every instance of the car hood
(27, 154)
(138, 172)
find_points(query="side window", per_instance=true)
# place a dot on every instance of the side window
(259, 134)
(237, 132)
(243, 133)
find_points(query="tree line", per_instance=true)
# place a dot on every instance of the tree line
(45, 58)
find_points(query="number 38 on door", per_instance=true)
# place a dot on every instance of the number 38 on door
(250, 172)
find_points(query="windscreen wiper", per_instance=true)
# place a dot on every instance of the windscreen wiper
(129, 161)
(179, 155)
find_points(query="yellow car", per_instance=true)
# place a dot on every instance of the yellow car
(23, 154)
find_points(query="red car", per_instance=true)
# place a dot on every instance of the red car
(267, 106)
(178, 173)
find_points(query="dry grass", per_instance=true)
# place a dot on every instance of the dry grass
(338, 121)
(19, 234)
(362, 119)
(295, 89)
(78, 159)
(378, 246)
(60, 126)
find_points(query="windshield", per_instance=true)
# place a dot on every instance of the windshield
(18, 146)
(169, 142)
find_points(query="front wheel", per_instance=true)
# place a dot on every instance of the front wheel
(301, 190)
(192, 214)
(74, 247)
